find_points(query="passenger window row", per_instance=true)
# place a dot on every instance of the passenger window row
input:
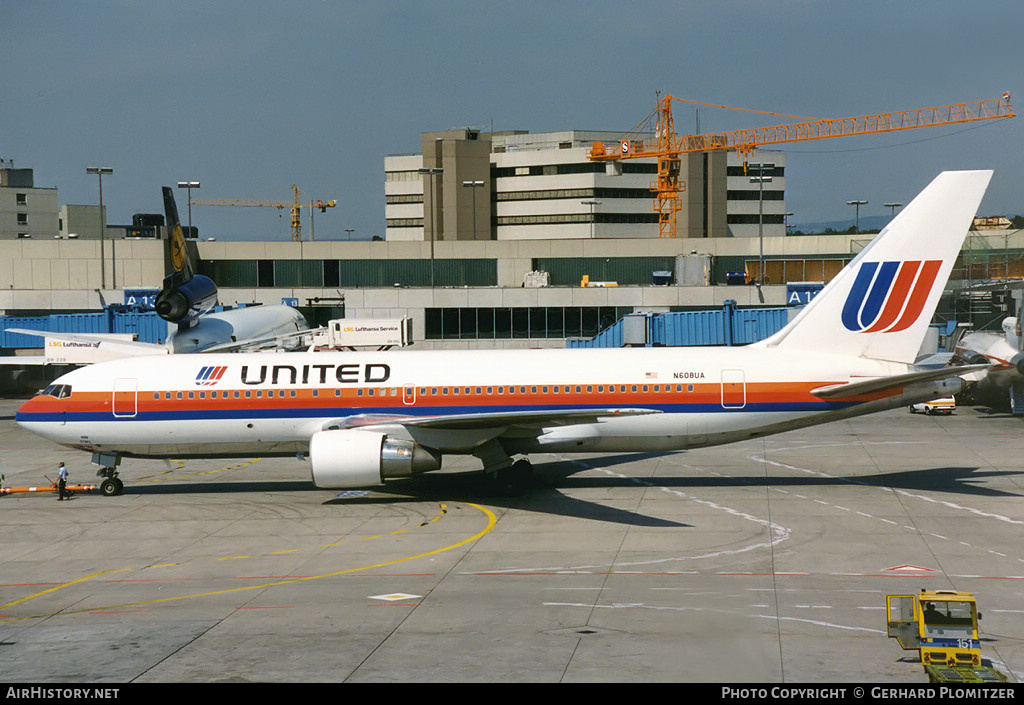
(63, 391)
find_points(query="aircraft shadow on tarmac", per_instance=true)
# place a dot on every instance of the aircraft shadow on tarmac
(955, 480)
(545, 495)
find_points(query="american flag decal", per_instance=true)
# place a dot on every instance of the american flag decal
(210, 375)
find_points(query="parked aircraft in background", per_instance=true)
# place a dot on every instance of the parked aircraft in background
(362, 418)
(188, 300)
(1002, 349)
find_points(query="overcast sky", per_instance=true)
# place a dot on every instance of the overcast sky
(252, 97)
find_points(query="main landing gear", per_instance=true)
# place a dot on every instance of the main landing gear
(514, 479)
(508, 477)
(111, 484)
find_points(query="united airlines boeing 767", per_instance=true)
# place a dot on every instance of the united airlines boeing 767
(362, 418)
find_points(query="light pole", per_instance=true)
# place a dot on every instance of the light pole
(188, 185)
(473, 186)
(349, 231)
(857, 205)
(760, 178)
(430, 172)
(787, 222)
(591, 203)
(99, 171)
(892, 209)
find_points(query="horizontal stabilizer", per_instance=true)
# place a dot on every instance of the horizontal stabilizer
(880, 384)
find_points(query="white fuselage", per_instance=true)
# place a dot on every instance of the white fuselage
(249, 404)
(234, 325)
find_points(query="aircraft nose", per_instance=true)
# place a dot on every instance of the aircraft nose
(24, 412)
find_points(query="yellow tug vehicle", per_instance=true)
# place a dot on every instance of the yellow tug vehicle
(943, 626)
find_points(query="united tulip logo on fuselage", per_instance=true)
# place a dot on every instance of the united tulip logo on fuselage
(888, 297)
(210, 375)
(370, 373)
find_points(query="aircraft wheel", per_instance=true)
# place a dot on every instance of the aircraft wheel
(109, 487)
(516, 478)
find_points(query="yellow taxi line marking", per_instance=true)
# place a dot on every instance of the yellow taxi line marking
(61, 586)
(181, 466)
(492, 520)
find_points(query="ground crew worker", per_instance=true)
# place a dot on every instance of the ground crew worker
(62, 482)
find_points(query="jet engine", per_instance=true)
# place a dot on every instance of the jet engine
(1018, 362)
(182, 302)
(353, 458)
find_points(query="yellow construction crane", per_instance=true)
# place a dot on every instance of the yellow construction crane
(294, 206)
(668, 146)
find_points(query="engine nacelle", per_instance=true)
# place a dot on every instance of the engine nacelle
(1018, 362)
(925, 391)
(186, 301)
(353, 458)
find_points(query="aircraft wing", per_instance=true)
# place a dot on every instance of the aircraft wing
(523, 418)
(880, 384)
(535, 419)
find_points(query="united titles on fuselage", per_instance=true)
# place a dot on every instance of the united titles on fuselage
(351, 373)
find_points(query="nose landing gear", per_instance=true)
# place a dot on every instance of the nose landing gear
(111, 485)
(108, 462)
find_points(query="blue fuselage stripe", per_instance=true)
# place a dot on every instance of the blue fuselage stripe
(300, 412)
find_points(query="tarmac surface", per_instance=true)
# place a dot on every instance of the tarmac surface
(766, 561)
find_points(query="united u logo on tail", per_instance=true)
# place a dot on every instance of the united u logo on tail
(889, 297)
(210, 375)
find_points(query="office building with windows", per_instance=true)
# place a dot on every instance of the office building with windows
(26, 211)
(469, 185)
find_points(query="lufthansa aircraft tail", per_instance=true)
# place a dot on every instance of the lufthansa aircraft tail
(185, 295)
(881, 304)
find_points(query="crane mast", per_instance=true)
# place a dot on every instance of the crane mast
(668, 146)
(294, 207)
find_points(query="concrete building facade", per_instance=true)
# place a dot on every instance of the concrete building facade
(25, 210)
(481, 297)
(469, 185)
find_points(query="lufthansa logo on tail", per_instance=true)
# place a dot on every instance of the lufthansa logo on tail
(210, 375)
(888, 297)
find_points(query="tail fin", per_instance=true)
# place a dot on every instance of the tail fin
(880, 305)
(179, 256)
(185, 295)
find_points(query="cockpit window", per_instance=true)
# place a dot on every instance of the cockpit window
(60, 391)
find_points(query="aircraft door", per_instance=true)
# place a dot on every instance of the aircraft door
(409, 394)
(902, 620)
(734, 389)
(126, 397)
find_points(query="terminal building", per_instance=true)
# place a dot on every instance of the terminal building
(549, 248)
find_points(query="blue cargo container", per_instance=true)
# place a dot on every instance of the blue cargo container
(725, 326)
